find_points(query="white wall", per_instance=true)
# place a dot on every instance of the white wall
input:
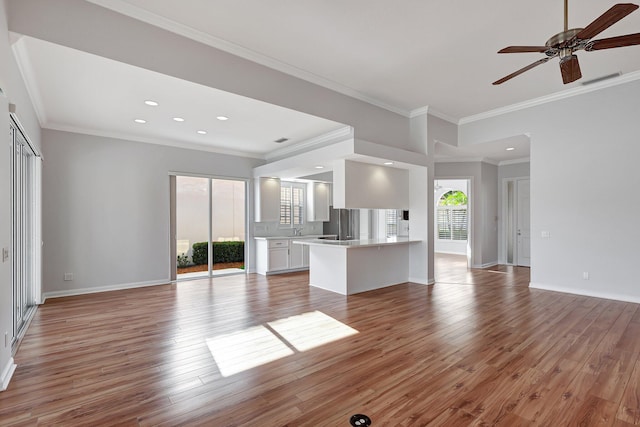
(106, 208)
(579, 146)
(73, 23)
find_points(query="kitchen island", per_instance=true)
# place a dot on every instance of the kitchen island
(352, 266)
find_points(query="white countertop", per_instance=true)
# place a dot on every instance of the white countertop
(360, 243)
(308, 236)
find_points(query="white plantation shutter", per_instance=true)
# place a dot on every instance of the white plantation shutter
(452, 223)
(292, 199)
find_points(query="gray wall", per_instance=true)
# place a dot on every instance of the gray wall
(106, 208)
(584, 154)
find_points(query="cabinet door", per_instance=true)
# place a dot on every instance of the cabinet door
(267, 200)
(278, 259)
(318, 198)
(296, 257)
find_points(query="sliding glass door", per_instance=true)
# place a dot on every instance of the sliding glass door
(209, 222)
(24, 247)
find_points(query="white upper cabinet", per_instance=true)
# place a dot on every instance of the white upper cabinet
(267, 198)
(318, 198)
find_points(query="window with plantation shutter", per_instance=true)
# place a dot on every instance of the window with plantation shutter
(292, 196)
(452, 219)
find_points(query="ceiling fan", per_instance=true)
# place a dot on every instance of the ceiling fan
(564, 44)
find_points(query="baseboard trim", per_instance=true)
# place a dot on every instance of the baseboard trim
(421, 281)
(585, 293)
(451, 253)
(7, 373)
(108, 288)
(487, 265)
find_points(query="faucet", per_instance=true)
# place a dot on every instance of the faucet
(297, 231)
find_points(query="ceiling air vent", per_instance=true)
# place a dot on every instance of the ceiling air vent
(281, 140)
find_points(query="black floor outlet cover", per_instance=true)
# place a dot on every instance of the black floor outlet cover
(359, 420)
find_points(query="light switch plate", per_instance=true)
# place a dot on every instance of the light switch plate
(5, 254)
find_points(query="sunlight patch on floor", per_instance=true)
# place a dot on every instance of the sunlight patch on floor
(258, 345)
(310, 330)
(239, 351)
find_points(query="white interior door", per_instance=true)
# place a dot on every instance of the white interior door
(523, 223)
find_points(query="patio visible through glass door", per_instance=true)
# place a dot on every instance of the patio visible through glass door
(210, 219)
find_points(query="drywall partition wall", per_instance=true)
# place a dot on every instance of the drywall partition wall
(6, 361)
(106, 208)
(362, 185)
(489, 206)
(579, 146)
(88, 27)
(442, 131)
(482, 203)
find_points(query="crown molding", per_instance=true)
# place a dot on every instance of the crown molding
(155, 141)
(338, 134)
(443, 116)
(592, 87)
(419, 112)
(31, 83)
(140, 14)
(514, 161)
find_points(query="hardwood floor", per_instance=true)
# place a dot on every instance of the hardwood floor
(491, 353)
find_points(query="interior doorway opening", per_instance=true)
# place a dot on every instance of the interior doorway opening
(208, 219)
(452, 230)
(517, 231)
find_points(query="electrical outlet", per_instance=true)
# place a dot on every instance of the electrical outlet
(68, 277)
(6, 339)
(5, 254)
(585, 275)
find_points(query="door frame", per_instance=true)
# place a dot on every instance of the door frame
(173, 275)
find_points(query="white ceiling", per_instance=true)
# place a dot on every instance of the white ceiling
(402, 55)
(77, 91)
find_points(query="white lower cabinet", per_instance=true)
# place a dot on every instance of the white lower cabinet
(280, 255)
(296, 256)
(278, 259)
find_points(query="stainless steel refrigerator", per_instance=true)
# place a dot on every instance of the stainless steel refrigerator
(344, 223)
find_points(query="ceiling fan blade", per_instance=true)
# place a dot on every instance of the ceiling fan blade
(520, 71)
(611, 42)
(607, 19)
(520, 49)
(570, 69)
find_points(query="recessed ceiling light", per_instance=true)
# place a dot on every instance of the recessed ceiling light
(319, 167)
(388, 163)
(151, 103)
(222, 118)
(202, 132)
(178, 119)
(141, 121)
(510, 149)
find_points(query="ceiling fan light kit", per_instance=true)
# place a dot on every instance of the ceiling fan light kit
(564, 44)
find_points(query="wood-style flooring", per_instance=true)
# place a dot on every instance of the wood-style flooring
(479, 348)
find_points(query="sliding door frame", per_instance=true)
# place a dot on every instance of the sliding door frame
(26, 229)
(173, 225)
